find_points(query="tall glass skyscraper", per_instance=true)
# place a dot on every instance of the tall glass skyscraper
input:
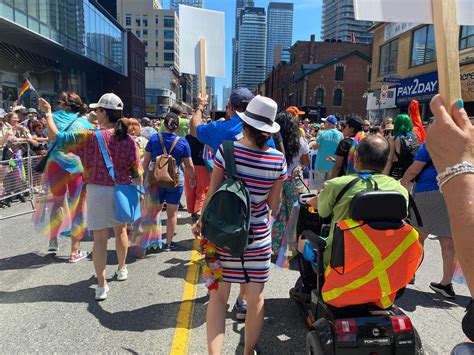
(280, 31)
(194, 3)
(252, 47)
(339, 23)
(240, 5)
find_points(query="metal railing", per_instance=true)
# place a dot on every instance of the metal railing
(18, 180)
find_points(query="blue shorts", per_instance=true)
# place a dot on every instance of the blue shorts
(170, 196)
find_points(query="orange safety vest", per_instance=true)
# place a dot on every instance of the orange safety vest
(377, 263)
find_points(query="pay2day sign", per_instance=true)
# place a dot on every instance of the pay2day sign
(421, 88)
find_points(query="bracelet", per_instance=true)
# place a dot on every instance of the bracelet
(453, 171)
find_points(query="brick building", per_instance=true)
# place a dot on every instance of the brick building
(331, 75)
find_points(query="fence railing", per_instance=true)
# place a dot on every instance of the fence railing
(18, 180)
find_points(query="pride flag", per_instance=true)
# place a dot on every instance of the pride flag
(415, 117)
(27, 87)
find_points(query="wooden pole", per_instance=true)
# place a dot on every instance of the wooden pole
(202, 57)
(447, 50)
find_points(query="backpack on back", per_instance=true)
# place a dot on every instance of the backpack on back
(226, 219)
(409, 146)
(164, 173)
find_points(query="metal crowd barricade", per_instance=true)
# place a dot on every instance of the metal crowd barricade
(18, 180)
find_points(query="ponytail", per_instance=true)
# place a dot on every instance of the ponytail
(121, 129)
(260, 138)
(83, 109)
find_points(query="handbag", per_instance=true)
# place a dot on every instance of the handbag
(127, 197)
(39, 168)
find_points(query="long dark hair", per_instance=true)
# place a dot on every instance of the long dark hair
(290, 135)
(260, 138)
(121, 127)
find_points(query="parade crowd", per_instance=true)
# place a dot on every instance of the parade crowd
(178, 161)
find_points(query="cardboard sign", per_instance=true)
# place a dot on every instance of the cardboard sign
(467, 82)
(194, 24)
(417, 11)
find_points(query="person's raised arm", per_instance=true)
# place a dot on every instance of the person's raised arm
(450, 141)
(44, 106)
(196, 120)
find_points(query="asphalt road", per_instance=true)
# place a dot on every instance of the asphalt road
(47, 305)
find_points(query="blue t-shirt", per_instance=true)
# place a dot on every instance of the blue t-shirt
(215, 133)
(180, 151)
(328, 141)
(427, 181)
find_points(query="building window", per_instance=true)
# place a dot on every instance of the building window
(139, 34)
(423, 48)
(337, 98)
(388, 58)
(467, 37)
(156, 55)
(156, 44)
(138, 22)
(169, 23)
(169, 34)
(169, 57)
(339, 73)
(319, 97)
(145, 32)
(145, 22)
(128, 21)
(145, 43)
(169, 45)
(156, 33)
(156, 20)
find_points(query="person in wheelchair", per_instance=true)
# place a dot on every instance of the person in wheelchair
(348, 201)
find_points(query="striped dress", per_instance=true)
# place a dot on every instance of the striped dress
(259, 170)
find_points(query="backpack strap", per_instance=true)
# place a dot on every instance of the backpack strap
(346, 188)
(412, 206)
(165, 152)
(229, 159)
(174, 144)
(105, 155)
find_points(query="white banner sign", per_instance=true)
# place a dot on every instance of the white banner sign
(418, 11)
(194, 24)
(389, 102)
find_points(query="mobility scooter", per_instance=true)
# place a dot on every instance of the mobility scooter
(361, 328)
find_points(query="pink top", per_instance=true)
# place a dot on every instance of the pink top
(124, 156)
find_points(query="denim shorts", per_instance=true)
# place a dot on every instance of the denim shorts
(170, 196)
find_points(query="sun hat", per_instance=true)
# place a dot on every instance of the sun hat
(260, 114)
(295, 111)
(109, 101)
(19, 108)
(330, 119)
(32, 110)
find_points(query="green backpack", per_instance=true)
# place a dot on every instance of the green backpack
(226, 219)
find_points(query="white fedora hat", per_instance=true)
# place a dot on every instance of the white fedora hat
(260, 114)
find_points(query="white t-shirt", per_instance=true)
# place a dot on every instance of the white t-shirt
(304, 149)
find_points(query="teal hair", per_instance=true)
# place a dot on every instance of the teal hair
(402, 126)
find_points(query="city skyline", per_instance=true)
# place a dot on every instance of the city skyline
(279, 33)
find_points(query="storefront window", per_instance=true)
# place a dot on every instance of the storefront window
(423, 46)
(388, 58)
(467, 37)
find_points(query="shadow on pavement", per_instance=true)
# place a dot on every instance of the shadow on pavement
(177, 270)
(30, 261)
(412, 298)
(284, 329)
(154, 317)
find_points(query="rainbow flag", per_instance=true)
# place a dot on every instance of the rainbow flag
(27, 87)
(415, 117)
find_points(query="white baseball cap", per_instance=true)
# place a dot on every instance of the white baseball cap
(260, 114)
(109, 101)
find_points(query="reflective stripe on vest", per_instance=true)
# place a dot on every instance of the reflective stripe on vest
(380, 268)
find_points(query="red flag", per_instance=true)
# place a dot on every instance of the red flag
(415, 117)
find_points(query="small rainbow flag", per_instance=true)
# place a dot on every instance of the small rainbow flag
(27, 87)
(331, 159)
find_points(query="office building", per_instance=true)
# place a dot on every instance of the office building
(280, 33)
(226, 92)
(338, 23)
(174, 4)
(240, 5)
(158, 29)
(251, 47)
(73, 45)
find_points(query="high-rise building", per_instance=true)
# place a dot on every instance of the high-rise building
(251, 47)
(157, 28)
(339, 23)
(240, 5)
(280, 32)
(195, 3)
(226, 92)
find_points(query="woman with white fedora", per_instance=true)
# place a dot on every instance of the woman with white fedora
(263, 169)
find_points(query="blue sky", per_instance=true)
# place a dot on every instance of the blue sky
(307, 21)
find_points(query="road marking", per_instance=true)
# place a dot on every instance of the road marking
(182, 334)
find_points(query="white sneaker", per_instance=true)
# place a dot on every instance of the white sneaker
(122, 275)
(101, 293)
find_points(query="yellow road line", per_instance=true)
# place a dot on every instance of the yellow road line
(182, 334)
